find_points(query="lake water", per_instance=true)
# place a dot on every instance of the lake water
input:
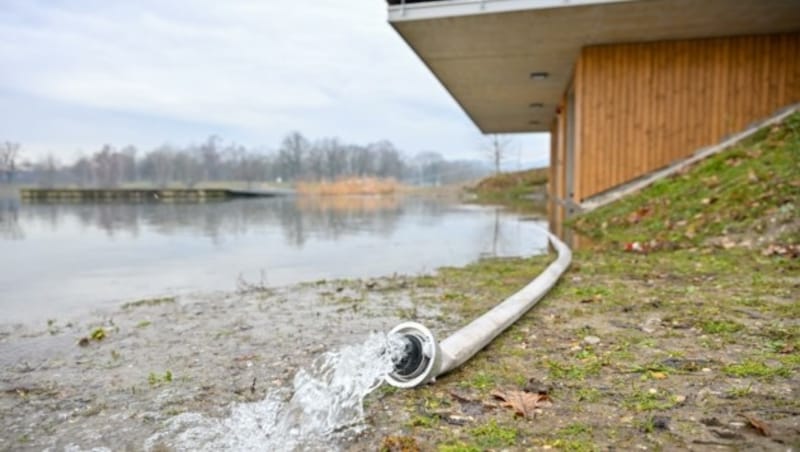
(61, 260)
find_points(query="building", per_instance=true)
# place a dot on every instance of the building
(625, 87)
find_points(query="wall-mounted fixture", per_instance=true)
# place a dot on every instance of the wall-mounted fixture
(539, 75)
(536, 105)
(534, 122)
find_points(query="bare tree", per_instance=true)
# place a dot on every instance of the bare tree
(292, 153)
(497, 150)
(9, 153)
(48, 171)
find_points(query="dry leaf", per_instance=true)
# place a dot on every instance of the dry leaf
(523, 403)
(760, 426)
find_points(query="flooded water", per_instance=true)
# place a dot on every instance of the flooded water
(59, 260)
(326, 405)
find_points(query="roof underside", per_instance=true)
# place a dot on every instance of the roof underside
(483, 51)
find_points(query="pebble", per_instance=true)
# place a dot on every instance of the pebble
(591, 340)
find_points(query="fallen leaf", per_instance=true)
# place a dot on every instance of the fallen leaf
(634, 247)
(754, 153)
(751, 176)
(638, 214)
(523, 403)
(712, 181)
(760, 426)
(399, 444)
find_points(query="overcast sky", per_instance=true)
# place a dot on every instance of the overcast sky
(80, 73)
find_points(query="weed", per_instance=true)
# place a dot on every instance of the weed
(650, 400)
(736, 393)
(424, 421)
(98, 334)
(574, 372)
(155, 379)
(589, 395)
(575, 429)
(458, 447)
(482, 381)
(491, 435)
(720, 326)
(752, 368)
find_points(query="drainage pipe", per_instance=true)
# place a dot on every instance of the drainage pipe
(424, 359)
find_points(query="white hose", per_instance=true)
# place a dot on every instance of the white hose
(437, 359)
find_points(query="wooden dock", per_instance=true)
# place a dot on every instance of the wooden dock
(143, 194)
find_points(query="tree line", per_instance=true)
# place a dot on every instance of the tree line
(213, 160)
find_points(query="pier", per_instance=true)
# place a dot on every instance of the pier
(144, 194)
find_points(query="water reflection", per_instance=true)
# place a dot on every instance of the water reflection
(9, 220)
(328, 217)
(81, 255)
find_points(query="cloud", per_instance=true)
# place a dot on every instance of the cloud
(153, 71)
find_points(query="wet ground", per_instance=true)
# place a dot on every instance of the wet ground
(113, 379)
(662, 351)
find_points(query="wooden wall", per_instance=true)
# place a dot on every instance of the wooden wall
(643, 106)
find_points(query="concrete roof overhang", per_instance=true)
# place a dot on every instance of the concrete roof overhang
(484, 51)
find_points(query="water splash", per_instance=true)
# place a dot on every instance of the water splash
(327, 403)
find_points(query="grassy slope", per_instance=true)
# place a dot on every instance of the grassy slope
(512, 189)
(747, 192)
(698, 334)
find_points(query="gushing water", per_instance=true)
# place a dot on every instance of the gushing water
(327, 404)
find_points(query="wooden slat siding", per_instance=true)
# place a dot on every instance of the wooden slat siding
(562, 148)
(578, 88)
(582, 67)
(615, 107)
(643, 106)
(627, 117)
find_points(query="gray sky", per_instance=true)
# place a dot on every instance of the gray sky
(80, 73)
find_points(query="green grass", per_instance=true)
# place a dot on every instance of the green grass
(753, 368)
(512, 189)
(492, 435)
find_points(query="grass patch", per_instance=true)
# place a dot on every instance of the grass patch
(458, 447)
(148, 302)
(650, 400)
(155, 379)
(752, 368)
(720, 327)
(491, 435)
(513, 189)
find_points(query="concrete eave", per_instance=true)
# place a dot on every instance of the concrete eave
(454, 8)
(483, 51)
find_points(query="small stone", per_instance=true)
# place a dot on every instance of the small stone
(651, 324)
(591, 340)
(661, 422)
(653, 391)
(705, 369)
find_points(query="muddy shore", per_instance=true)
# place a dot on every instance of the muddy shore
(113, 378)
